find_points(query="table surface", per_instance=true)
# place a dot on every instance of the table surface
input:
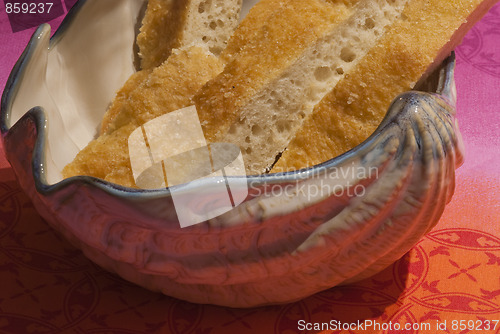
(450, 278)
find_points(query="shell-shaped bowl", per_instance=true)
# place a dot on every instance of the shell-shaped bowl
(295, 234)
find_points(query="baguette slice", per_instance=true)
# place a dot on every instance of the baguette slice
(263, 95)
(168, 87)
(171, 24)
(419, 40)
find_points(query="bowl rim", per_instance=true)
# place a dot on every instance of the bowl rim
(38, 115)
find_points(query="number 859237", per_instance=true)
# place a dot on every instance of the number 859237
(28, 7)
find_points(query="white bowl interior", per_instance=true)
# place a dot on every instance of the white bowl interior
(76, 78)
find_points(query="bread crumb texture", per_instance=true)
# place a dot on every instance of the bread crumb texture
(269, 51)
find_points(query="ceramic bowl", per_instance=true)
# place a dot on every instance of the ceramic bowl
(295, 234)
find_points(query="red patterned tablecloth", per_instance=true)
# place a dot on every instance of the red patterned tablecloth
(448, 283)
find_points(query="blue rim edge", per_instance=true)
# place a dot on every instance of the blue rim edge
(39, 117)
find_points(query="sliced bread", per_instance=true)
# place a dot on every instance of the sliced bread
(422, 37)
(263, 95)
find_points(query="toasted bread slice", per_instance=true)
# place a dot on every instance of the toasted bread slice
(422, 37)
(168, 87)
(302, 51)
(171, 24)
